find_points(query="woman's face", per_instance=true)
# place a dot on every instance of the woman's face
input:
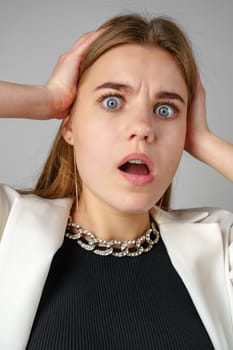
(129, 126)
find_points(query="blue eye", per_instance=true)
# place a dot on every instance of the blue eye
(112, 102)
(165, 111)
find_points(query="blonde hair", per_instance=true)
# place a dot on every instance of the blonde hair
(59, 176)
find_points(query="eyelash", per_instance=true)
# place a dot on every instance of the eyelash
(171, 104)
(111, 94)
(166, 102)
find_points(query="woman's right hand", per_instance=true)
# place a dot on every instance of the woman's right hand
(54, 99)
(62, 86)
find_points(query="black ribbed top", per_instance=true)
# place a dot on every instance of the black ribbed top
(108, 303)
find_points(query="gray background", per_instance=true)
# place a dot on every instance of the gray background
(34, 33)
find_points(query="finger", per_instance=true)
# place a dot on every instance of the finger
(199, 84)
(78, 50)
(86, 40)
(65, 73)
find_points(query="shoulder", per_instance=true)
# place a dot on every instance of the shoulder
(204, 215)
(209, 217)
(222, 217)
(195, 215)
(9, 195)
(10, 198)
(207, 214)
(7, 198)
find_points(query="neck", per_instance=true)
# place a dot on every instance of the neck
(108, 223)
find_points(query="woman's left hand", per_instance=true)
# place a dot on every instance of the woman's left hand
(197, 128)
(201, 143)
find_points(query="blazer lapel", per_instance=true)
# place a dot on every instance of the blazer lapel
(33, 233)
(196, 251)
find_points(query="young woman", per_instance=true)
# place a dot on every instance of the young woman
(139, 103)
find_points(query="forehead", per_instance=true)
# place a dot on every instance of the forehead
(135, 64)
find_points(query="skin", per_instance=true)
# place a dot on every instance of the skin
(54, 100)
(102, 138)
(201, 143)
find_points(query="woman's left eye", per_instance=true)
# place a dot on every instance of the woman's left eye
(165, 111)
(112, 102)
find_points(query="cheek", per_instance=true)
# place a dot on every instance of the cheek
(93, 145)
(174, 139)
(172, 147)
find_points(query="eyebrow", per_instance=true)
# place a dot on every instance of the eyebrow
(171, 95)
(115, 86)
(127, 88)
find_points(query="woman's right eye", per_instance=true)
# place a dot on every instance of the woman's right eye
(112, 103)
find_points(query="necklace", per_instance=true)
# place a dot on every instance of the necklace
(88, 241)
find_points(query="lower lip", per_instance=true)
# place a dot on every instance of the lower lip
(138, 180)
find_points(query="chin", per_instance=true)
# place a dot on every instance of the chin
(135, 206)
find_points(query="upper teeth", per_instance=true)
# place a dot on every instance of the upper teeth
(136, 161)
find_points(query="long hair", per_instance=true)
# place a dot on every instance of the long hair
(59, 176)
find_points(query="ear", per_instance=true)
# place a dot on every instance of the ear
(67, 131)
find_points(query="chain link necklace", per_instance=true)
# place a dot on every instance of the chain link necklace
(88, 241)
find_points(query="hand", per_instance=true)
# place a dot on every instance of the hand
(197, 128)
(55, 98)
(202, 143)
(62, 85)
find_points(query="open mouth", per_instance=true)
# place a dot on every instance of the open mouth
(135, 167)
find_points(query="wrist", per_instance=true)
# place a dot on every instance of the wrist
(197, 144)
(23, 101)
(205, 146)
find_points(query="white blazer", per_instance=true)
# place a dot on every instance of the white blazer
(199, 243)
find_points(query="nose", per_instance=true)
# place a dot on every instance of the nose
(141, 127)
